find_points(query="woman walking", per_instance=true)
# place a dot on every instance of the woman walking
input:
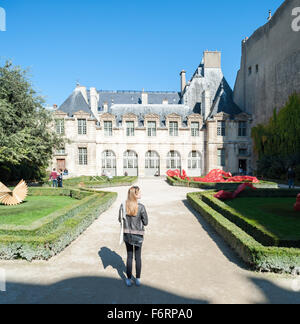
(134, 217)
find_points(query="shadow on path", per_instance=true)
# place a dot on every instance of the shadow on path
(278, 295)
(111, 258)
(90, 290)
(222, 245)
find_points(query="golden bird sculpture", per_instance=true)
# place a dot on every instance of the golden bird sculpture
(15, 197)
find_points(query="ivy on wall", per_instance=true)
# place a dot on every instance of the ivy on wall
(278, 142)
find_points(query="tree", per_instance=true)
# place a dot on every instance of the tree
(278, 142)
(26, 140)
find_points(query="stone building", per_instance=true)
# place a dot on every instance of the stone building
(270, 64)
(147, 133)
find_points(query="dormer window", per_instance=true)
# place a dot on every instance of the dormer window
(108, 128)
(221, 129)
(151, 128)
(242, 129)
(195, 128)
(82, 127)
(130, 128)
(60, 126)
(173, 128)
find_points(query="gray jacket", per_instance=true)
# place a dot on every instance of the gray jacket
(134, 226)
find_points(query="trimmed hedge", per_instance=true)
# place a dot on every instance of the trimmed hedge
(259, 257)
(264, 237)
(89, 182)
(177, 182)
(52, 234)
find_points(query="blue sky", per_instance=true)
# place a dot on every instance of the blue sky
(124, 45)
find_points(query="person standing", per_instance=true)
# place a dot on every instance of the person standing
(134, 217)
(53, 178)
(60, 179)
(291, 178)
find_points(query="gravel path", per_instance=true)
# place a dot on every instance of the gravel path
(184, 261)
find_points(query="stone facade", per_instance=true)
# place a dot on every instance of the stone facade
(148, 133)
(270, 64)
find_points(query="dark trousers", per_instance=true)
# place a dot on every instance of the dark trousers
(291, 183)
(137, 251)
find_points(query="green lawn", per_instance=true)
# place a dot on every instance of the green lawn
(275, 215)
(34, 208)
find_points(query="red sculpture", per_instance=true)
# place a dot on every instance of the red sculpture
(213, 177)
(297, 205)
(225, 195)
(178, 174)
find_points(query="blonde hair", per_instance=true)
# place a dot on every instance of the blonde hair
(132, 201)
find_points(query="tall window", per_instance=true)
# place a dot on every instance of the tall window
(194, 161)
(243, 152)
(82, 127)
(173, 160)
(221, 128)
(130, 160)
(60, 126)
(152, 160)
(221, 157)
(195, 129)
(130, 128)
(173, 128)
(109, 160)
(151, 128)
(108, 128)
(243, 129)
(83, 157)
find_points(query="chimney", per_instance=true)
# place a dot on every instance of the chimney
(165, 102)
(144, 98)
(83, 91)
(94, 99)
(206, 103)
(212, 60)
(183, 81)
(105, 107)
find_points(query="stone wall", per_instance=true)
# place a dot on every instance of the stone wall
(270, 65)
(231, 143)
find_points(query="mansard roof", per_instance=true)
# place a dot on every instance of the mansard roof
(135, 97)
(163, 111)
(75, 103)
(223, 101)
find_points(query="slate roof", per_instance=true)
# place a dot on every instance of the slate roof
(135, 97)
(75, 103)
(161, 110)
(124, 102)
(223, 101)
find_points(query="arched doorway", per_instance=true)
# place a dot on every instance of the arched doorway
(131, 163)
(194, 164)
(109, 162)
(174, 161)
(152, 164)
